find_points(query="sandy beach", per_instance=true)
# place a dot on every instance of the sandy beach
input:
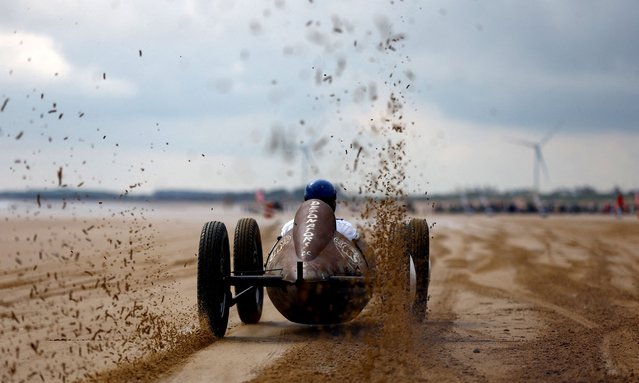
(106, 292)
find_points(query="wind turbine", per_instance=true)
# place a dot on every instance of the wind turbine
(539, 163)
(308, 149)
(284, 144)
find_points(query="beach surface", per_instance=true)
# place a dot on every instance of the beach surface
(95, 291)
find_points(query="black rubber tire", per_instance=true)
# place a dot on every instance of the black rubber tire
(213, 266)
(248, 260)
(418, 241)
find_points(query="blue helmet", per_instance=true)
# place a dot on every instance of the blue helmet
(321, 190)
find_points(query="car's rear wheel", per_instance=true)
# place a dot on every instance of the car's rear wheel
(213, 266)
(248, 260)
(417, 246)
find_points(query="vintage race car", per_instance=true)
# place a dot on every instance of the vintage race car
(313, 274)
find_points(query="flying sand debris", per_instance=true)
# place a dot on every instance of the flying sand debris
(60, 176)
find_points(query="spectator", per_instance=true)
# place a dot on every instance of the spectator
(619, 203)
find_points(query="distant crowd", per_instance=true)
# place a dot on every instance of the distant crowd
(618, 206)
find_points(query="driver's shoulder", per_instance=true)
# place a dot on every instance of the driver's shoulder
(343, 221)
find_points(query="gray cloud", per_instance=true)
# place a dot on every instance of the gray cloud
(239, 68)
(535, 63)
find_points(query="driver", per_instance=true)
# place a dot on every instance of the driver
(325, 191)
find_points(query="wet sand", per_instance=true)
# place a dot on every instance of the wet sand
(108, 293)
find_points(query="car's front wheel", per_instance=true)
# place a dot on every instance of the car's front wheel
(213, 267)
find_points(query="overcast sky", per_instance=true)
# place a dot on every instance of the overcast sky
(188, 94)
